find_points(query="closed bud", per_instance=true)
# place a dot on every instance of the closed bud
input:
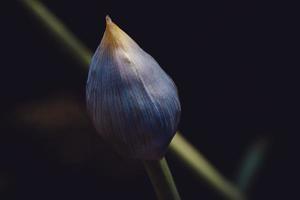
(133, 103)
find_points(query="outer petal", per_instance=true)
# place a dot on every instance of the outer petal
(133, 102)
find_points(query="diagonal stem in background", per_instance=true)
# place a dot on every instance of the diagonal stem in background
(58, 30)
(200, 166)
(180, 147)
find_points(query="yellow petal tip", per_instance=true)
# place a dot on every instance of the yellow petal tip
(108, 20)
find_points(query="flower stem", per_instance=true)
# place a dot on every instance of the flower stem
(57, 29)
(162, 180)
(202, 168)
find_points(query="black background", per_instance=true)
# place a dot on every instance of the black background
(231, 63)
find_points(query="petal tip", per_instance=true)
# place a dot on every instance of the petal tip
(108, 20)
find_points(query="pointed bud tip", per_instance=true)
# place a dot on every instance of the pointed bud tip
(114, 34)
(108, 20)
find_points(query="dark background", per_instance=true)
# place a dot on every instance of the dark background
(231, 63)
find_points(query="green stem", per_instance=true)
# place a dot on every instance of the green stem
(201, 167)
(55, 27)
(162, 180)
(183, 150)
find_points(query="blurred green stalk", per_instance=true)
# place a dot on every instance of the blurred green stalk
(58, 30)
(162, 179)
(251, 163)
(179, 146)
(201, 167)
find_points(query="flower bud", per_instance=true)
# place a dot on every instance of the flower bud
(133, 103)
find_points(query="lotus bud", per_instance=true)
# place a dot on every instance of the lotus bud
(133, 103)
